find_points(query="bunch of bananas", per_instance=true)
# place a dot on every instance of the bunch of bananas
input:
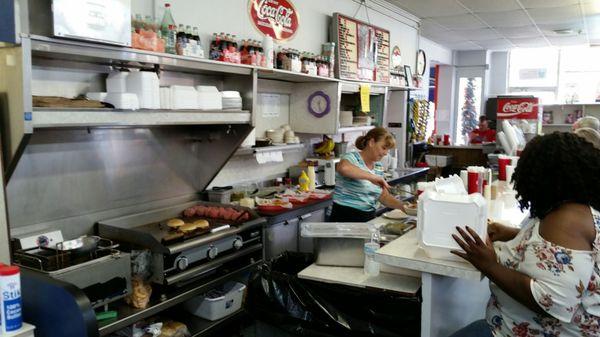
(325, 147)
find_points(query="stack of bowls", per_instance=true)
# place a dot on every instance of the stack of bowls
(276, 135)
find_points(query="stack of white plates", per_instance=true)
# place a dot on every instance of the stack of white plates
(165, 98)
(233, 101)
(209, 98)
(183, 97)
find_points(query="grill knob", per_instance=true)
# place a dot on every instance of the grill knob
(212, 252)
(238, 243)
(182, 262)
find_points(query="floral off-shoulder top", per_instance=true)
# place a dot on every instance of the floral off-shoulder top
(564, 282)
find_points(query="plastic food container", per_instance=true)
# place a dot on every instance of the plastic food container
(217, 303)
(439, 214)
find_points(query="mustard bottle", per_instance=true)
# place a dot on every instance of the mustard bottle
(304, 181)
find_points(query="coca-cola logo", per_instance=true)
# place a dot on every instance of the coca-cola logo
(523, 107)
(520, 108)
(276, 18)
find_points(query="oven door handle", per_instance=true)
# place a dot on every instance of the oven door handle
(209, 266)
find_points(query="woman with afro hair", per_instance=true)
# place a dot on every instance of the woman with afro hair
(545, 277)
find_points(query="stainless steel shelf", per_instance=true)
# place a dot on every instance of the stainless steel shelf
(128, 315)
(401, 88)
(58, 118)
(355, 128)
(557, 125)
(290, 76)
(111, 55)
(283, 148)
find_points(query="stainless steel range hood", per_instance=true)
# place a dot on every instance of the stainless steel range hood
(69, 179)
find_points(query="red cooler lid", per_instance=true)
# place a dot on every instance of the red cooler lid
(9, 270)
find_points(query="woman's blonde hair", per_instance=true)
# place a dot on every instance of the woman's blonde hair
(589, 134)
(377, 134)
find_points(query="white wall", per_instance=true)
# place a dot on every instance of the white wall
(498, 73)
(446, 96)
(231, 16)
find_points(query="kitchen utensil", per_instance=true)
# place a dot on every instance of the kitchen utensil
(82, 245)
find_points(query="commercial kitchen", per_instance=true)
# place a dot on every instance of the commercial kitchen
(171, 167)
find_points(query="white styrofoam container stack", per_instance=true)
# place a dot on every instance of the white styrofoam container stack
(217, 303)
(438, 216)
(145, 85)
(231, 100)
(209, 98)
(183, 97)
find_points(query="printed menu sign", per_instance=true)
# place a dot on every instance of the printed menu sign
(363, 50)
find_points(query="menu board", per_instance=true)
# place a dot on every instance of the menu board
(363, 50)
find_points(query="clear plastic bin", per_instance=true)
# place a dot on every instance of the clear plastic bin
(217, 303)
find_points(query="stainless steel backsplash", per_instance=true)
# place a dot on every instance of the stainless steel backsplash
(69, 179)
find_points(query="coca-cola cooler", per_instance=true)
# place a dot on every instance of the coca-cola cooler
(522, 113)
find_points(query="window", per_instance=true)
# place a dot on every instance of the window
(469, 108)
(534, 72)
(570, 74)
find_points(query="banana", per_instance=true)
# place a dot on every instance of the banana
(325, 147)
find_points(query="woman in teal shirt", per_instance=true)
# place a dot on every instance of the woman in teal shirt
(359, 182)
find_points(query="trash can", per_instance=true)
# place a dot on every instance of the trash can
(309, 308)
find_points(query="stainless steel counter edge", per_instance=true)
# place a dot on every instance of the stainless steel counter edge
(296, 212)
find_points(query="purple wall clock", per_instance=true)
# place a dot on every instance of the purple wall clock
(319, 104)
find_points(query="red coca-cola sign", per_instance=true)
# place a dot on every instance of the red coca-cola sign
(518, 108)
(276, 18)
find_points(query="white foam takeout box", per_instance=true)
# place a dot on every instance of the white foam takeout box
(438, 215)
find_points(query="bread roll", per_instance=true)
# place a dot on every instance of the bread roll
(202, 224)
(188, 227)
(175, 223)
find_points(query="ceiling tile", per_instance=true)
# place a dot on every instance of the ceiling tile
(568, 40)
(506, 19)
(459, 22)
(490, 5)
(555, 15)
(518, 32)
(449, 36)
(431, 27)
(496, 44)
(430, 8)
(547, 3)
(463, 46)
(593, 25)
(530, 42)
(479, 34)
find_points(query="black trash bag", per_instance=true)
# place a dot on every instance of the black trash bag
(308, 308)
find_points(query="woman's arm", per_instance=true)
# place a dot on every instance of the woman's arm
(388, 200)
(500, 232)
(349, 170)
(483, 257)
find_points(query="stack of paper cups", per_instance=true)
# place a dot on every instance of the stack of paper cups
(269, 51)
(464, 175)
(510, 169)
(475, 178)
